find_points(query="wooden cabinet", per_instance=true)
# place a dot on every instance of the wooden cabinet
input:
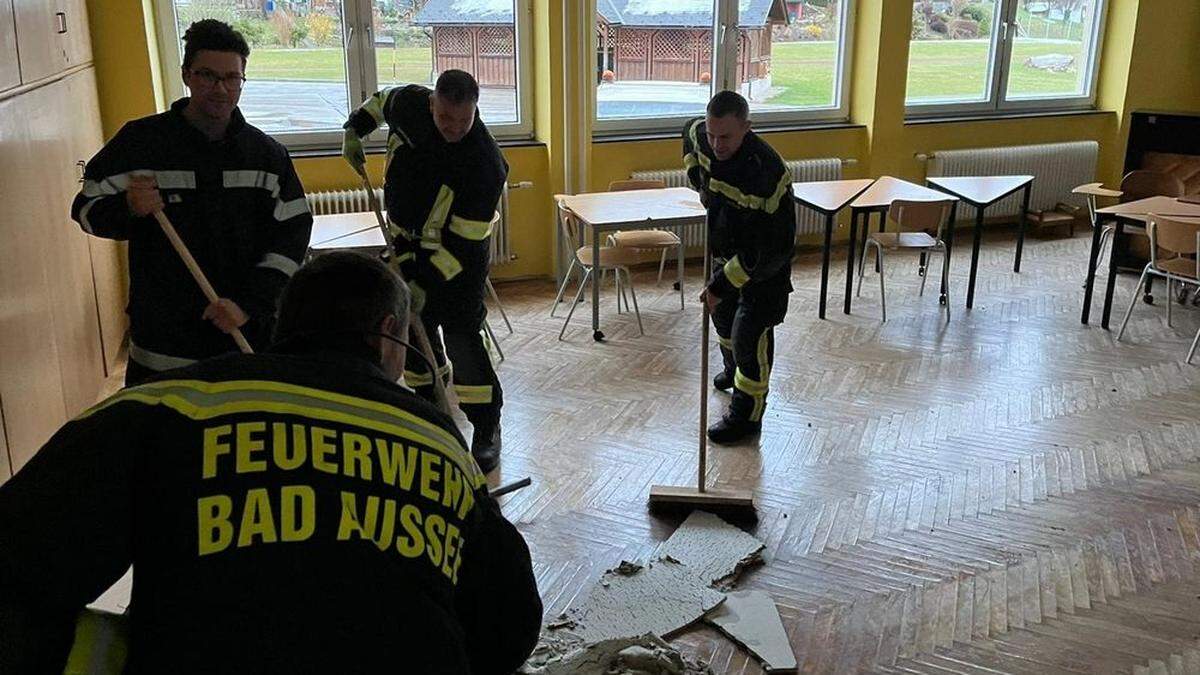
(52, 35)
(10, 71)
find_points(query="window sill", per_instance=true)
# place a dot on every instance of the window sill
(765, 129)
(314, 153)
(994, 116)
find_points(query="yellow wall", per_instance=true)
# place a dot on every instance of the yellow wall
(1150, 59)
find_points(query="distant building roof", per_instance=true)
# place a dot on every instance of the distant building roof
(649, 13)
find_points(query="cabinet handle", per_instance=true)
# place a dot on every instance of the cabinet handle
(81, 166)
(61, 17)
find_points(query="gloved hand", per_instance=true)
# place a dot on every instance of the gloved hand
(352, 151)
(417, 295)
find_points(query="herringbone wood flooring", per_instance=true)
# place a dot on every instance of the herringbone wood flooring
(1007, 492)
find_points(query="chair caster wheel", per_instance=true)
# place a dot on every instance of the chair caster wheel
(598, 335)
(1148, 299)
(941, 300)
(920, 271)
(675, 286)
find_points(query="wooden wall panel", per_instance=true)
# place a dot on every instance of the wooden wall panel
(10, 71)
(67, 253)
(30, 380)
(38, 43)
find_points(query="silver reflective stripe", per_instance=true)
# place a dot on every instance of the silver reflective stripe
(156, 361)
(248, 178)
(118, 183)
(83, 214)
(285, 210)
(281, 263)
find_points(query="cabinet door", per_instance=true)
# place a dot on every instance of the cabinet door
(68, 254)
(77, 41)
(10, 71)
(39, 42)
(30, 381)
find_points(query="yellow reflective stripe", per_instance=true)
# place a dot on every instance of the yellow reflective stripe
(772, 203)
(405, 257)
(199, 400)
(446, 263)
(374, 105)
(101, 644)
(689, 161)
(764, 371)
(735, 273)
(744, 383)
(394, 141)
(725, 342)
(700, 156)
(475, 230)
(431, 233)
(472, 393)
(737, 196)
(417, 379)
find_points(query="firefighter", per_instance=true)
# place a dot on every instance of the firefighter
(444, 178)
(285, 512)
(746, 189)
(228, 188)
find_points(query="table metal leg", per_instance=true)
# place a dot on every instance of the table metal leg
(854, 216)
(1112, 273)
(945, 295)
(679, 270)
(1021, 227)
(1093, 259)
(825, 262)
(975, 256)
(597, 335)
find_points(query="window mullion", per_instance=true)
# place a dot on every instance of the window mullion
(725, 45)
(1006, 36)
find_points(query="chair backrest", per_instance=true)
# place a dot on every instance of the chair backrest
(1173, 236)
(568, 225)
(1142, 183)
(632, 184)
(916, 216)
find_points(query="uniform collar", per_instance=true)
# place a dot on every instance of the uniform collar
(237, 122)
(345, 354)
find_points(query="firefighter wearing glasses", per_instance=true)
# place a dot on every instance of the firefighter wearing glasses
(444, 178)
(751, 231)
(230, 190)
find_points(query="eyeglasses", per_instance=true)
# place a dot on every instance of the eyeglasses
(232, 82)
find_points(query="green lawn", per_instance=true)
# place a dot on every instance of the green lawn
(803, 70)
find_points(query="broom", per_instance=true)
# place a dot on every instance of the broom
(737, 504)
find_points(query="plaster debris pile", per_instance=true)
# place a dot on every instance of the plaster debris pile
(619, 626)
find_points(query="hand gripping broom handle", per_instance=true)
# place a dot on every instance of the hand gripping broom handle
(197, 274)
(414, 320)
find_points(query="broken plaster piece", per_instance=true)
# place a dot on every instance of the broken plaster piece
(715, 550)
(643, 655)
(751, 619)
(661, 598)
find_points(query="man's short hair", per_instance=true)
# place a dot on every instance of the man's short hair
(340, 292)
(729, 103)
(457, 86)
(215, 36)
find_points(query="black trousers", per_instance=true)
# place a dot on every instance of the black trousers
(453, 319)
(745, 324)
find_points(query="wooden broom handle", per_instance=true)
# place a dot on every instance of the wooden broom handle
(197, 274)
(702, 464)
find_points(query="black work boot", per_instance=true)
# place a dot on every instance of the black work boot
(731, 429)
(485, 448)
(723, 381)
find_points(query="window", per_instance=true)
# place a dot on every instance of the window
(986, 55)
(655, 61)
(313, 61)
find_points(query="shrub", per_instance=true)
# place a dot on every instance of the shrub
(322, 30)
(257, 32)
(813, 31)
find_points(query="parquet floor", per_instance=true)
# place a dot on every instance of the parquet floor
(1007, 492)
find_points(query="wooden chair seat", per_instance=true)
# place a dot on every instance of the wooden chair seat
(610, 256)
(1180, 267)
(645, 239)
(898, 240)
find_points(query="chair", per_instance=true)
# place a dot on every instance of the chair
(648, 240)
(1093, 192)
(616, 258)
(1137, 185)
(492, 289)
(1177, 239)
(916, 220)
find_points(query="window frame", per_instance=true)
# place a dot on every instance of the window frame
(725, 14)
(999, 65)
(358, 50)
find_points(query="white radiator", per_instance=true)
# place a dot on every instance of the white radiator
(803, 170)
(355, 201)
(1057, 167)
